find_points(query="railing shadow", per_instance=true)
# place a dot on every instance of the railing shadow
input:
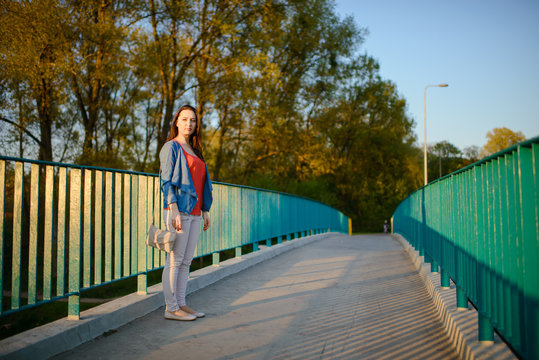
(493, 294)
(366, 306)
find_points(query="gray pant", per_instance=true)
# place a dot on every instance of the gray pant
(176, 270)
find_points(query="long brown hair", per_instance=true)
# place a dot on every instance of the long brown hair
(194, 139)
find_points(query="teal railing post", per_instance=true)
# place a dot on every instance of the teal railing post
(98, 226)
(142, 229)
(255, 246)
(528, 181)
(134, 225)
(485, 329)
(118, 225)
(75, 222)
(87, 231)
(17, 237)
(462, 300)
(149, 218)
(62, 227)
(238, 252)
(444, 279)
(268, 242)
(127, 224)
(34, 233)
(108, 225)
(215, 259)
(434, 267)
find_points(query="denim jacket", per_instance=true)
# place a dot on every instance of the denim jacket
(176, 182)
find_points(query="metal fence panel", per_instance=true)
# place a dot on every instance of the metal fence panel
(481, 225)
(86, 226)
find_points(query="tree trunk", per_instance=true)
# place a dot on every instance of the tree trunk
(167, 71)
(44, 108)
(219, 157)
(165, 125)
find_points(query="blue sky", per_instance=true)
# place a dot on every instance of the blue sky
(486, 50)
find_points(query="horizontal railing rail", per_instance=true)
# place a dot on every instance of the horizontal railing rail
(480, 225)
(69, 228)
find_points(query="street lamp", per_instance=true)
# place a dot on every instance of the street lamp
(425, 125)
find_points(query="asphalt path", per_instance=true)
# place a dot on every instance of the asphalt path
(343, 297)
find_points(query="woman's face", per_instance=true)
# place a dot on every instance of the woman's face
(186, 123)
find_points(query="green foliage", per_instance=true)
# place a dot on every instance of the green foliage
(444, 158)
(471, 153)
(286, 100)
(501, 138)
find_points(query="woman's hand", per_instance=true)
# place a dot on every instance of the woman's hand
(175, 218)
(206, 218)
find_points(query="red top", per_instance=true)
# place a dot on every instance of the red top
(197, 168)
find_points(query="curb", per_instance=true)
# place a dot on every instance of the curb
(460, 325)
(62, 335)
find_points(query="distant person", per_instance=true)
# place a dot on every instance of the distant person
(187, 193)
(387, 226)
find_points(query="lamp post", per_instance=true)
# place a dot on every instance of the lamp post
(425, 126)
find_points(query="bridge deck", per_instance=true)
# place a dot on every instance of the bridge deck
(343, 297)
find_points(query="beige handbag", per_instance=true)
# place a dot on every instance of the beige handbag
(160, 239)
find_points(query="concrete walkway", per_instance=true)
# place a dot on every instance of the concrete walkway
(342, 297)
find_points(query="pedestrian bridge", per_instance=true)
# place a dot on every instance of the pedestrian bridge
(66, 229)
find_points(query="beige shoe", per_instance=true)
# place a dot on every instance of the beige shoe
(179, 315)
(188, 310)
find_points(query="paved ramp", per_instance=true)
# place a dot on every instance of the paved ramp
(339, 298)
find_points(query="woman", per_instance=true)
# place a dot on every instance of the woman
(187, 192)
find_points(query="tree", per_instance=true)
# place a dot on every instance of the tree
(445, 149)
(471, 153)
(444, 159)
(370, 157)
(101, 82)
(285, 99)
(33, 50)
(499, 139)
(300, 53)
(182, 33)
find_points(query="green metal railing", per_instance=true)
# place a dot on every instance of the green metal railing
(67, 228)
(480, 225)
